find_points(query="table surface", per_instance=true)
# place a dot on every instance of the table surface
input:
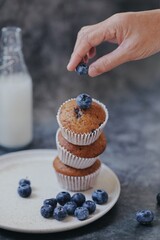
(133, 152)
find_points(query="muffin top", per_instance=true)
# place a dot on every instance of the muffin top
(78, 120)
(69, 171)
(90, 151)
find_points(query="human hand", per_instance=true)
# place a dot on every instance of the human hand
(136, 33)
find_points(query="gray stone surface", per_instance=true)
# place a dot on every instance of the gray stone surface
(131, 93)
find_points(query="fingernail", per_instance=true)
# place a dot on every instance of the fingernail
(68, 66)
(69, 63)
(92, 71)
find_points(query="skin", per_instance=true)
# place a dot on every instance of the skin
(137, 35)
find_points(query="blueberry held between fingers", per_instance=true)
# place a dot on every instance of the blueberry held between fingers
(59, 213)
(84, 101)
(90, 205)
(81, 213)
(100, 196)
(24, 181)
(78, 198)
(24, 190)
(82, 69)
(145, 217)
(63, 197)
(51, 201)
(158, 198)
(47, 211)
(70, 207)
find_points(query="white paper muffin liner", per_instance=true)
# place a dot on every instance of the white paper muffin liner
(84, 138)
(72, 160)
(74, 184)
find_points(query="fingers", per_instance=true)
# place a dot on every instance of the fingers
(92, 52)
(86, 41)
(89, 55)
(107, 62)
(85, 59)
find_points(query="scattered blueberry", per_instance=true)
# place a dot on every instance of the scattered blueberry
(78, 198)
(158, 198)
(99, 196)
(84, 101)
(70, 207)
(145, 217)
(59, 213)
(63, 197)
(81, 213)
(24, 181)
(90, 205)
(82, 69)
(51, 201)
(24, 190)
(47, 211)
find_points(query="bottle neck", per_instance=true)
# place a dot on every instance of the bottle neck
(11, 50)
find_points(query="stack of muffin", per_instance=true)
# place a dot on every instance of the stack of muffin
(80, 140)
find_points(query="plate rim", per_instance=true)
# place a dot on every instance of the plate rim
(65, 228)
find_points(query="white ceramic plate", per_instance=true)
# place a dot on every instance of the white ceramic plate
(23, 215)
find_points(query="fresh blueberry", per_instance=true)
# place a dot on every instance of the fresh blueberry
(99, 196)
(158, 198)
(63, 197)
(82, 69)
(145, 217)
(51, 201)
(47, 211)
(84, 101)
(24, 181)
(81, 213)
(90, 205)
(70, 207)
(78, 198)
(24, 190)
(59, 213)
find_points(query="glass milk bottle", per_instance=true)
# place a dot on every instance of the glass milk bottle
(15, 92)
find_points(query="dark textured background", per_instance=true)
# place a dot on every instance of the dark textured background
(49, 33)
(131, 93)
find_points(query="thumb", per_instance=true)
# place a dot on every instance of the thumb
(108, 62)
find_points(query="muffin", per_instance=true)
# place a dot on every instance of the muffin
(76, 179)
(79, 125)
(79, 156)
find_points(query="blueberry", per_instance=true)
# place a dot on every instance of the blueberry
(24, 190)
(82, 69)
(24, 181)
(78, 112)
(70, 207)
(90, 205)
(84, 101)
(51, 201)
(99, 196)
(47, 211)
(63, 197)
(158, 198)
(59, 213)
(81, 213)
(145, 217)
(78, 198)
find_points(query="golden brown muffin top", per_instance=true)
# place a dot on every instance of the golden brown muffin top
(90, 151)
(69, 171)
(79, 120)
